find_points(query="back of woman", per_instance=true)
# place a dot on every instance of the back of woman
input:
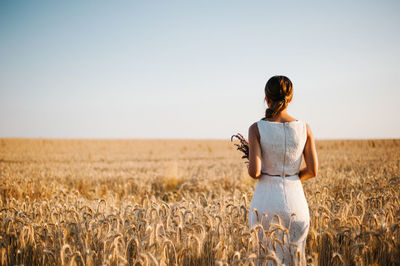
(277, 144)
(282, 146)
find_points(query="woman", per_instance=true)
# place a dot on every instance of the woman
(276, 146)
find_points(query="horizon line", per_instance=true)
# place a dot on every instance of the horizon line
(177, 139)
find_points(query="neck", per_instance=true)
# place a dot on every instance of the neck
(282, 116)
(282, 113)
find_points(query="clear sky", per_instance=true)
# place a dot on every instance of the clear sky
(196, 69)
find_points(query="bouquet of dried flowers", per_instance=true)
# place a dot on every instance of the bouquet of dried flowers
(243, 146)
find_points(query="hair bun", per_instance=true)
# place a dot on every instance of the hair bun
(278, 90)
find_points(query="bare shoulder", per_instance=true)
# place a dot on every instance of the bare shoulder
(309, 132)
(253, 130)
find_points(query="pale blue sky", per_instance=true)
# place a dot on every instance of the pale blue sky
(186, 69)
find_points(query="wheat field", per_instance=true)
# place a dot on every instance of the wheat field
(186, 202)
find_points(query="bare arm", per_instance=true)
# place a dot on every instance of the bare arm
(254, 152)
(310, 157)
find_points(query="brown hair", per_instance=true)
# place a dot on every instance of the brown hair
(279, 91)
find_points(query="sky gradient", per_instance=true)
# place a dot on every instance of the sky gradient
(186, 69)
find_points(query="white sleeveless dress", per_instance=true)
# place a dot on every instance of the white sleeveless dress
(279, 191)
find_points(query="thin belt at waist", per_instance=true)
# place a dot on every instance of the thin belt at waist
(281, 175)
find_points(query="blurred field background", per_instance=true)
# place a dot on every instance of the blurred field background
(185, 202)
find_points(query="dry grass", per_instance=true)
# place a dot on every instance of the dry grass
(91, 202)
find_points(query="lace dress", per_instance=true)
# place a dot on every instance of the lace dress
(279, 191)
